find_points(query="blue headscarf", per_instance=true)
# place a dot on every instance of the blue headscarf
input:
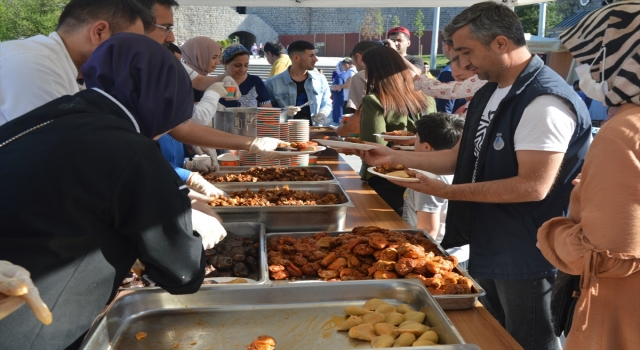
(145, 78)
(232, 50)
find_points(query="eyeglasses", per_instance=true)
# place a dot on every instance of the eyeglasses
(167, 29)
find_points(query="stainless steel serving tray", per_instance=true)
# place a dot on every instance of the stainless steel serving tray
(290, 218)
(446, 301)
(244, 230)
(319, 169)
(298, 316)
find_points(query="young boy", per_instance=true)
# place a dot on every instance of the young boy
(436, 131)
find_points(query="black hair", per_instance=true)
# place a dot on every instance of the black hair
(362, 47)
(120, 14)
(173, 48)
(401, 33)
(275, 48)
(300, 46)
(440, 130)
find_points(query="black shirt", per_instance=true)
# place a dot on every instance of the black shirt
(416, 61)
(82, 197)
(302, 98)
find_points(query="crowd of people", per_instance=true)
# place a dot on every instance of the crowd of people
(98, 139)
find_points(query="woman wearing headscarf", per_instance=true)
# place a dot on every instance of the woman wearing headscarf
(79, 233)
(390, 104)
(600, 240)
(254, 93)
(202, 54)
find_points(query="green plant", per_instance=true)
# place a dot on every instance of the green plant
(419, 27)
(395, 22)
(25, 18)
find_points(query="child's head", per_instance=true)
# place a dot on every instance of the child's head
(438, 131)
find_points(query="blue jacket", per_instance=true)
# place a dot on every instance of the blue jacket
(283, 92)
(503, 236)
(175, 152)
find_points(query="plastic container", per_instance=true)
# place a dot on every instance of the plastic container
(228, 159)
(313, 160)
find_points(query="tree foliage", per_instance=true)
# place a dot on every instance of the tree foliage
(379, 23)
(372, 25)
(418, 24)
(395, 22)
(530, 14)
(25, 18)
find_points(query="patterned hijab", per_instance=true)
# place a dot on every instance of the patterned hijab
(145, 78)
(617, 27)
(197, 53)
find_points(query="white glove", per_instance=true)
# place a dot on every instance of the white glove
(16, 288)
(264, 146)
(201, 164)
(218, 88)
(208, 227)
(228, 81)
(292, 110)
(213, 156)
(197, 183)
(321, 119)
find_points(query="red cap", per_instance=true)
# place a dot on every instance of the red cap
(396, 30)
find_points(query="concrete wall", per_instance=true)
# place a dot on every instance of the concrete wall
(218, 23)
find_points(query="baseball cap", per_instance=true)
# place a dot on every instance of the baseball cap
(396, 30)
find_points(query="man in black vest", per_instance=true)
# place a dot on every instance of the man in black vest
(525, 138)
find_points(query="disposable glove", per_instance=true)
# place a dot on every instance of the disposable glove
(201, 164)
(265, 147)
(16, 288)
(228, 81)
(197, 183)
(292, 110)
(321, 119)
(208, 227)
(218, 88)
(213, 156)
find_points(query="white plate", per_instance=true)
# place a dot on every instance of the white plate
(402, 179)
(392, 137)
(294, 153)
(344, 144)
(405, 148)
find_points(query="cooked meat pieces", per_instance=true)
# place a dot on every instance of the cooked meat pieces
(260, 174)
(399, 133)
(268, 198)
(365, 253)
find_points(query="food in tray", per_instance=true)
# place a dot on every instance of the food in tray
(260, 174)
(367, 252)
(231, 257)
(264, 342)
(141, 335)
(385, 325)
(268, 198)
(395, 170)
(297, 146)
(399, 133)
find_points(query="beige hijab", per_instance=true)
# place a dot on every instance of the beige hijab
(197, 53)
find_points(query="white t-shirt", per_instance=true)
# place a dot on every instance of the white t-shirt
(34, 71)
(547, 124)
(350, 73)
(192, 72)
(206, 109)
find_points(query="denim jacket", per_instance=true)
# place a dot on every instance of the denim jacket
(283, 92)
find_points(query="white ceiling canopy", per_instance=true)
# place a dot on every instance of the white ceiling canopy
(351, 3)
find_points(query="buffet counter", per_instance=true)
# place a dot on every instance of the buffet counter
(476, 325)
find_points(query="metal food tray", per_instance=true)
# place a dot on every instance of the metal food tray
(244, 230)
(298, 316)
(319, 169)
(446, 301)
(290, 218)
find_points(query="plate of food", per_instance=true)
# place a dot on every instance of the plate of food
(404, 148)
(297, 148)
(345, 144)
(397, 135)
(398, 172)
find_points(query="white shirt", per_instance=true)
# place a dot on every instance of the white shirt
(350, 73)
(205, 110)
(34, 71)
(547, 124)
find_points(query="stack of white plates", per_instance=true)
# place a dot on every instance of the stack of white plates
(247, 159)
(284, 135)
(299, 132)
(268, 125)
